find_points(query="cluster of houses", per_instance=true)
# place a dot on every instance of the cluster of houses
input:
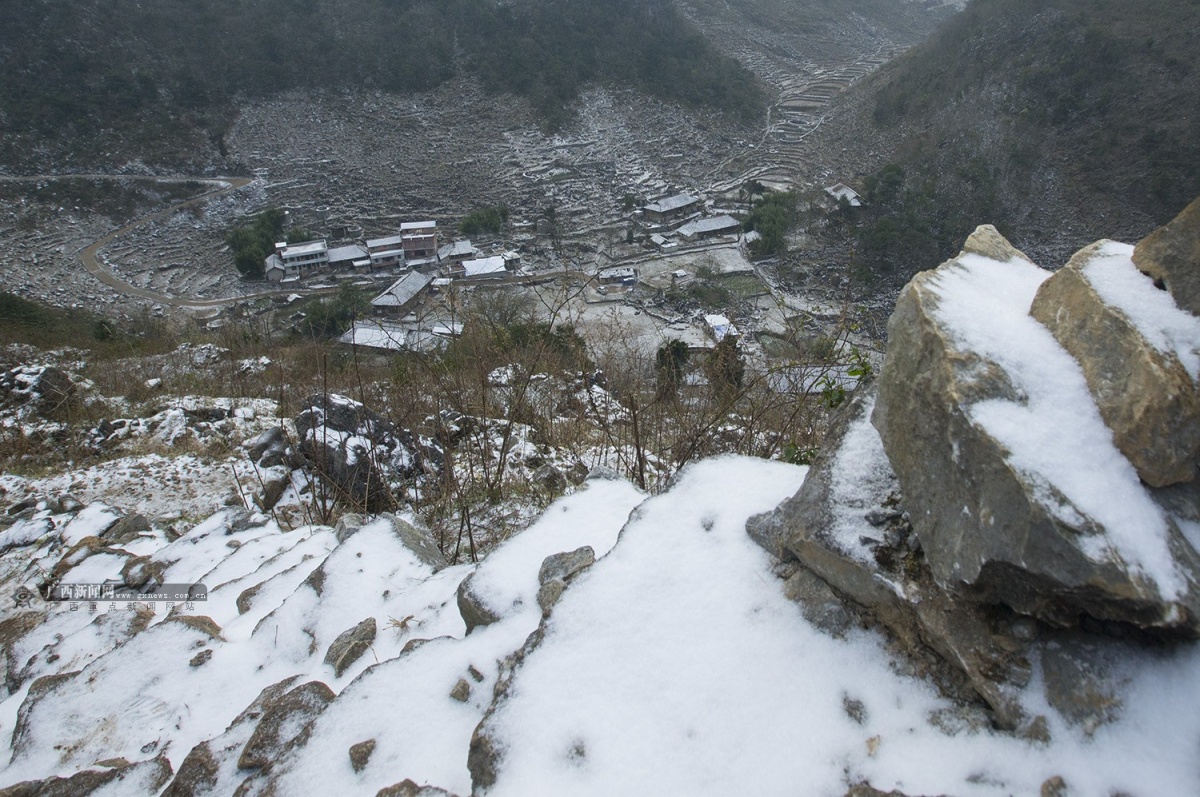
(415, 248)
(681, 218)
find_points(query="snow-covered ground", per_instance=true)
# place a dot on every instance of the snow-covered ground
(674, 665)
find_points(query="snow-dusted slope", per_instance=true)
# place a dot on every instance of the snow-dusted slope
(672, 666)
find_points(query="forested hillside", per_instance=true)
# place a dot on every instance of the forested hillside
(1057, 120)
(159, 79)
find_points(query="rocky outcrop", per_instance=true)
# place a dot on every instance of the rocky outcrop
(973, 415)
(1126, 335)
(284, 723)
(973, 503)
(363, 457)
(830, 528)
(1171, 257)
(350, 645)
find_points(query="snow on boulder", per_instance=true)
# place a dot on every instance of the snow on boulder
(1140, 354)
(1015, 487)
(364, 458)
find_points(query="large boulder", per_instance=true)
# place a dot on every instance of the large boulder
(843, 527)
(854, 558)
(1140, 355)
(1012, 481)
(363, 457)
(1171, 257)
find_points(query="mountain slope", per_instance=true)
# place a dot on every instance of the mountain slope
(160, 79)
(1059, 121)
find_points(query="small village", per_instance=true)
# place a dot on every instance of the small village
(683, 239)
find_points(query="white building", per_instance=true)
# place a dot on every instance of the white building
(485, 268)
(292, 261)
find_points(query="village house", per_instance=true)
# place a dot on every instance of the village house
(403, 294)
(451, 257)
(343, 258)
(386, 252)
(710, 228)
(618, 275)
(485, 268)
(420, 242)
(293, 261)
(665, 210)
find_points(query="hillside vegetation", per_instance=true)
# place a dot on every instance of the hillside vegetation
(1057, 120)
(158, 79)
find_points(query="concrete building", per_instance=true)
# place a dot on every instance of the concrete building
(386, 252)
(293, 261)
(419, 239)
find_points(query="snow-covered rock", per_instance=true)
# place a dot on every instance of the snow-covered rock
(1140, 355)
(1015, 487)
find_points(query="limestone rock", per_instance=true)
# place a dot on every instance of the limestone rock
(117, 777)
(350, 645)
(125, 529)
(418, 540)
(988, 242)
(1171, 256)
(565, 565)
(473, 609)
(284, 722)
(269, 448)
(461, 691)
(46, 388)
(993, 529)
(549, 593)
(407, 788)
(197, 773)
(360, 754)
(1145, 394)
(826, 527)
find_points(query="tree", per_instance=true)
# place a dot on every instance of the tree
(670, 361)
(254, 240)
(724, 368)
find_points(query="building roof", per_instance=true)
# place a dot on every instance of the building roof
(351, 252)
(713, 224)
(720, 326)
(617, 272)
(306, 248)
(842, 191)
(418, 226)
(457, 249)
(672, 203)
(273, 261)
(484, 265)
(376, 335)
(403, 290)
(391, 240)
